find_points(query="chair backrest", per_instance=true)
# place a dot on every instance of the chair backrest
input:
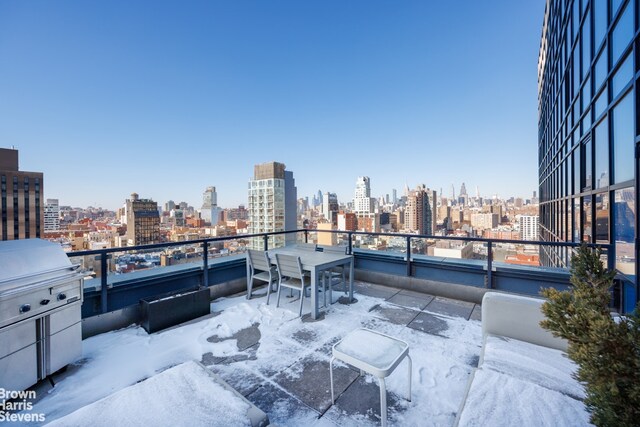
(311, 247)
(289, 266)
(259, 260)
(342, 250)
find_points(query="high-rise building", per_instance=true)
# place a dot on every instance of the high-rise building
(210, 212)
(272, 204)
(330, 207)
(143, 221)
(169, 205)
(362, 202)
(483, 221)
(20, 199)
(529, 228)
(421, 214)
(588, 128)
(394, 196)
(52, 215)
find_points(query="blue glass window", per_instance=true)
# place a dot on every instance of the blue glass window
(601, 103)
(586, 92)
(576, 172)
(576, 220)
(615, 5)
(587, 164)
(624, 218)
(586, 45)
(586, 219)
(601, 136)
(622, 34)
(575, 17)
(623, 140)
(602, 217)
(622, 76)
(599, 8)
(600, 71)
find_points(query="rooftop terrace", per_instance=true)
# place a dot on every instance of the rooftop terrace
(280, 362)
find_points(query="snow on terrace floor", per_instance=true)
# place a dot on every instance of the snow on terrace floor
(281, 363)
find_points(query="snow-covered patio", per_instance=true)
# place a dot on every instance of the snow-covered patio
(281, 363)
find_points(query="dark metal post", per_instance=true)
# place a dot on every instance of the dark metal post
(266, 242)
(205, 264)
(103, 282)
(489, 265)
(350, 243)
(306, 236)
(408, 256)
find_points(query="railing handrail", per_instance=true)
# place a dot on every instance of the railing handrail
(354, 233)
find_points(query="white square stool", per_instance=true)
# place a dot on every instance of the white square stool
(375, 353)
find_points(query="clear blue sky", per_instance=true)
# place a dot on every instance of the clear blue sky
(167, 98)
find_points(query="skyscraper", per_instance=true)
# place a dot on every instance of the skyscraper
(143, 221)
(420, 214)
(587, 129)
(330, 207)
(52, 215)
(210, 212)
(272, 204)
(362, 203)
(20, 199)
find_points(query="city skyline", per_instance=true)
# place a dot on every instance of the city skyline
(106, 103)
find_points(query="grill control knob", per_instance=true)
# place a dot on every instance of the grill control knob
(62, 296)
(44, 302)
(25, 307)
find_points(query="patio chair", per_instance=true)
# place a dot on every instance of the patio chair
(311, 247)
(340, 271)
(291, 276)
(261, 269)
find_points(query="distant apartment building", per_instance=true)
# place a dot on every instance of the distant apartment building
(452, 249)
(327, 238)
(233, 214)
(143, 221)
(51, 215)
(420, 214)
(347, 221)
(330, 207)
(272, 204)
(482, 221)
(21, 202)
(210, 212)
(362, 202)
(529, 228)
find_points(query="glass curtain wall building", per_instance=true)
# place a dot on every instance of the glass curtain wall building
(588, 128)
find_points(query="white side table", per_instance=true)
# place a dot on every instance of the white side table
(375, 353)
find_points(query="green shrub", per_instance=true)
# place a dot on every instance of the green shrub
(606, 350)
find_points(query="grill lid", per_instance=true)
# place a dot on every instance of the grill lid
(27, 261)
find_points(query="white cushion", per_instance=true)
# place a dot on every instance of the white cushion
(496, 400)
(544, 366)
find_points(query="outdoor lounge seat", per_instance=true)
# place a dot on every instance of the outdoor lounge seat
(261, 269)
(291, 276)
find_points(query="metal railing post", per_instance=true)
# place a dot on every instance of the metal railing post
(205, 264)
(408, 256)
(266, 242)
(306, 236)
(103, 282)
(350, 243)
(489, 265)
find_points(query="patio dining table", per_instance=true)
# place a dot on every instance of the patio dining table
(316, 263)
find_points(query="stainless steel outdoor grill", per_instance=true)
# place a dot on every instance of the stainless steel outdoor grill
(40, 319)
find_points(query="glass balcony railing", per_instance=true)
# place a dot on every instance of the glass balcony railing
(104, 268)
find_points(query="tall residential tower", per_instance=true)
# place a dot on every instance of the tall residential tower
(21, 202)
(588, 128)
(272, 204)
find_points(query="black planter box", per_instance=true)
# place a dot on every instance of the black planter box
(170, 309)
